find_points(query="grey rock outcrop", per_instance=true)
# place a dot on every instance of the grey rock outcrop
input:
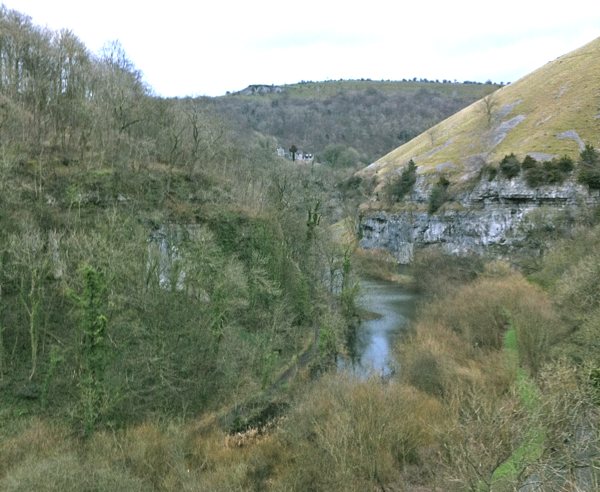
(490, 216)
(260, 89)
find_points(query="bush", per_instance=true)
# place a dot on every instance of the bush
(528, 163)
(424, 373)
(535, 176)
(510, 167)
(439, 194)
(565, 164)
(568, 413)
(554, 174)
(547, 172)
(589, 167)
(355, 435)
(481, 311)
(340, 156)
(590, 177)
(537, 326)
(578, 290)
(436, 273)
(589, 155)
(564, 256)
(489, 172)
(397, 188)
(39, 440)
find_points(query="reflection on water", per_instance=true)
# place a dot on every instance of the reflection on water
(375, 338)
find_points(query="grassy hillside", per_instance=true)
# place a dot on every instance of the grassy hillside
(547, 113)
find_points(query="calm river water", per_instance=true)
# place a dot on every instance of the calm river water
(375, 338)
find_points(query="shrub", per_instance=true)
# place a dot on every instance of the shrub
(578, 290)
(564, 255)
(589, 167)
(547, 172)
(38, 440)
(424, 373)
(510, 166)
(489, 172)
(437, 273)
(590, 177)
(340, 156)
(553, 173)
(565, 164)
(355, 435)
(567, 407)
(528, 162)
(439, 194)
(535, 176)
(589, 155)
(397, 188)
(481, 311)
(67, 473)
(537, 326)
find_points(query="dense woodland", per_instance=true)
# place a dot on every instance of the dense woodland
(173, 297)
(348, 122)
(151, 263)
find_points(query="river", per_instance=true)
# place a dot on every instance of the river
(372, 351)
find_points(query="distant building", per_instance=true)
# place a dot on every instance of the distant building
(300, 155)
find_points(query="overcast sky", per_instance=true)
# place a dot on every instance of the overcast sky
(208, 47)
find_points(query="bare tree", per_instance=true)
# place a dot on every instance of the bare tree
(31, 268)
(433, 133)
(489, 105)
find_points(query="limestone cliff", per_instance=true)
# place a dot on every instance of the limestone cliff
(493, 215)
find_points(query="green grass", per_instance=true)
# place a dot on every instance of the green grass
(532, 445)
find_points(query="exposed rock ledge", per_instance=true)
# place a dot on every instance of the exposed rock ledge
(489, 216)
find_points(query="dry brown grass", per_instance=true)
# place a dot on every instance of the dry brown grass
(68, 473)
(39, 440)
(242, 461)
(438, 274)
(578, 290)
(45, 457)
(455, 346)
(150, 457)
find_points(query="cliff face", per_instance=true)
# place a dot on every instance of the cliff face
(494, 215)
